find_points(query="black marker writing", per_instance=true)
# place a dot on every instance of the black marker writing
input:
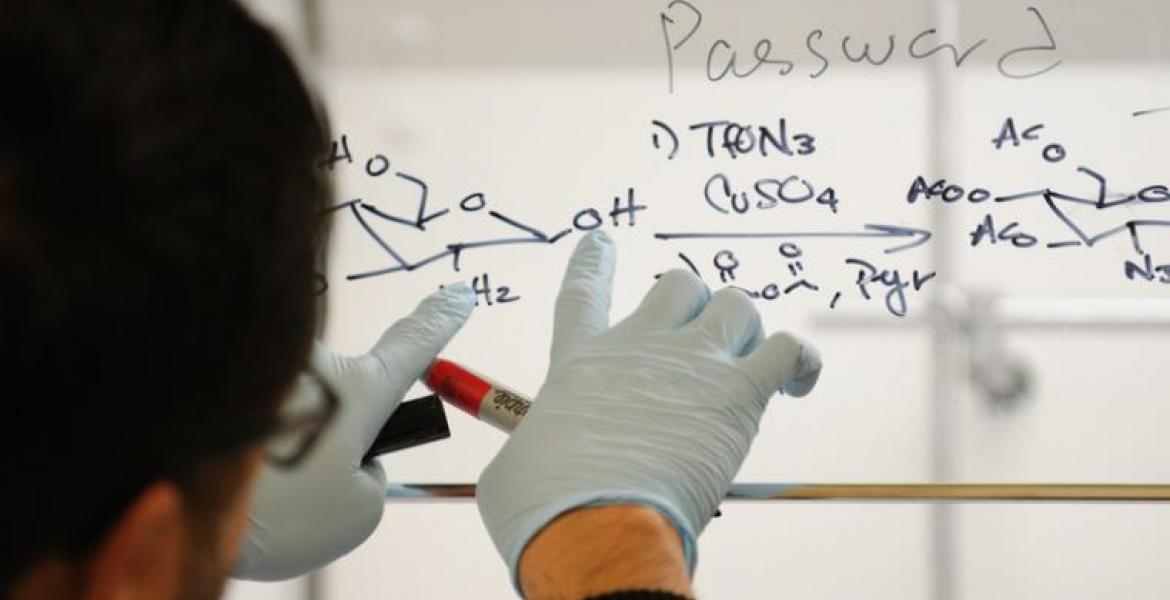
(725, 60)
(1049, 46)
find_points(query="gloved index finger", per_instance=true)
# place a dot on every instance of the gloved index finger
(582, 308)
(409, 346)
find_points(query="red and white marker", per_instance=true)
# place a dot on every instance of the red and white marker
(482, 399)
(478, 397)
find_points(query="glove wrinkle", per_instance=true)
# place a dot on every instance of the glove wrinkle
(659, 410)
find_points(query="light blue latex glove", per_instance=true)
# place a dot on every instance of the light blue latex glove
(658, 410)
(304, 518)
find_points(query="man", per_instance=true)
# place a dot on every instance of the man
(160, 219)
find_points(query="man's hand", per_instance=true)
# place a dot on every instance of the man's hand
(658, 410)
(304, 518)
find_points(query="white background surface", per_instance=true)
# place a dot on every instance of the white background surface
(546, 108)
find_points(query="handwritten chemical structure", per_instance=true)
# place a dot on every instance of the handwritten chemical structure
(728, 140)
(739, 234)
(992, 230)
(624, 211)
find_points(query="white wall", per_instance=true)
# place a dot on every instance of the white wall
(471, 99)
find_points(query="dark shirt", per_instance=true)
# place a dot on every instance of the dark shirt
(639, 595)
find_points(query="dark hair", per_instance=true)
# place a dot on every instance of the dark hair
(159, 228)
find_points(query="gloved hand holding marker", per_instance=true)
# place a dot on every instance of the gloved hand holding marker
(658, 410)
(304, 518)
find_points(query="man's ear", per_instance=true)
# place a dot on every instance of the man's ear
(141, 556)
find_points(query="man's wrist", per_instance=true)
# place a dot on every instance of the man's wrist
(599, 550)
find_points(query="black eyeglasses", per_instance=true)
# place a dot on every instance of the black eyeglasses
(302, 421)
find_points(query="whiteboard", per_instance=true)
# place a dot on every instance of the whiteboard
(1009, 193)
